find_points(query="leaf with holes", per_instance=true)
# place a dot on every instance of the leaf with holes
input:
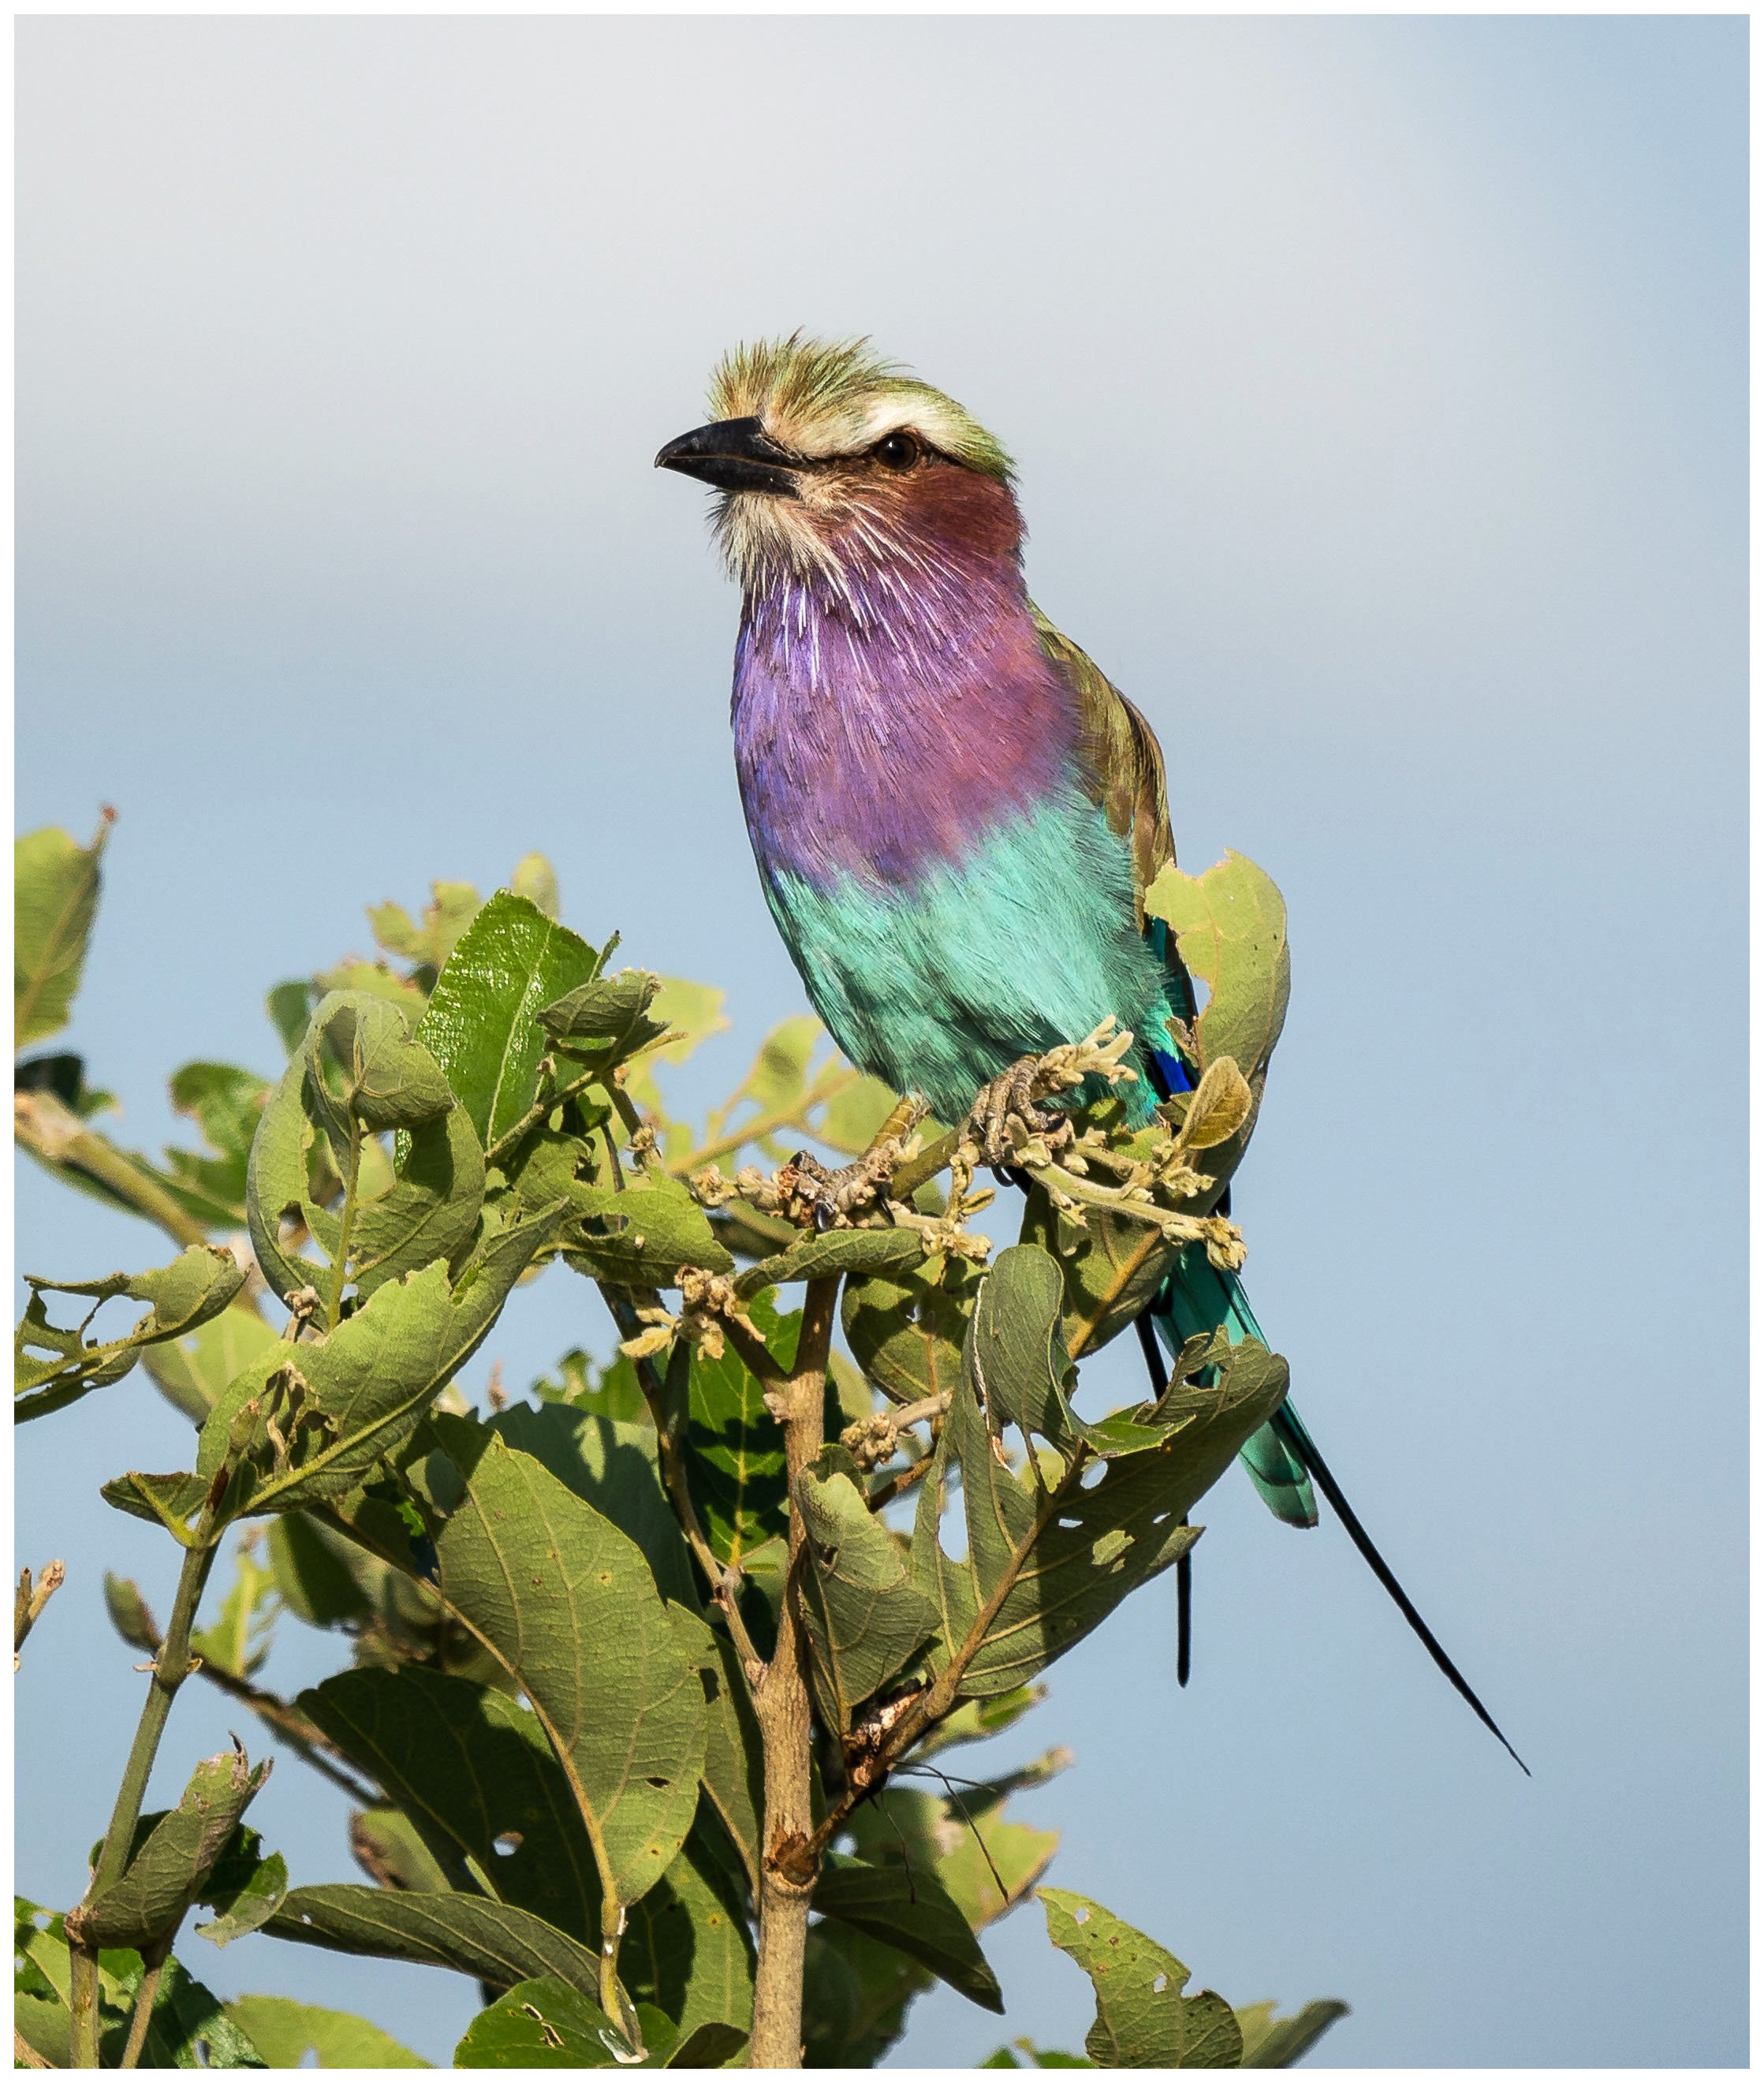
(174, 1860)
(361, 1393)
(467, 1765)
(1143, 2020)
(568, 1604)
(55, 1366)
(643, 1236)
(544, 2024)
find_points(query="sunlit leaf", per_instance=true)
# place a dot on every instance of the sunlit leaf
(285, 2032)
(1143, 2020)
(54, 895)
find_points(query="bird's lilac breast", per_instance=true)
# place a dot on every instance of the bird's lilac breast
(865, 754)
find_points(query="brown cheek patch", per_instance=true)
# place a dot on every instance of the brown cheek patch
(943, 504)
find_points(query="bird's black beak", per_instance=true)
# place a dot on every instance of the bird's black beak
(735, 455)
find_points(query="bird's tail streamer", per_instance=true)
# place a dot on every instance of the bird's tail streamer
(1282, 1459)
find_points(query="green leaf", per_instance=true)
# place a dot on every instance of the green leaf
(568, 1604)
(535, 879)
(425, 1207)
(544, 2024)
(855, 1993)
(612, 1391)
(54, 896)
(54, 1367)
(1043, 1567)
(837, 1251)
(1113, 1267)
(643, 1236)
(289, 1007)
(169, 1501)
(1020, 1359)
(482, 1026)
(390, 1080)
(865, 1619)
(606, 1017)
(1231, 928)
(245, 1889)
(906, 1329)
(391, 1851)
(166, 1874)
(946, 1833)
(497, 1943)
(734, 1760)
(238, 1641)
(735, 1462)
(227, 1104)
(431, 1212)
(429, 942)
(473, 1772)
(1015, 1356)
(191, 2028)
(854, 1115)
(1035, 2057)
(1217, 1108)
(615, 1468)
(913, 1912)
(129, 1614)
(285, 2032)
(1272, 2042)
(361, 1393)
(468, 1765)
(1143, 2020)
(374, 980)
(686, 1948)
(192, 1372)
(42, 1981)
(315, 1573)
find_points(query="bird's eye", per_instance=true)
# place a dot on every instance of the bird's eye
(899, 450)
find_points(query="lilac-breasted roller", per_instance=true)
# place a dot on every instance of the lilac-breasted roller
(955, 815)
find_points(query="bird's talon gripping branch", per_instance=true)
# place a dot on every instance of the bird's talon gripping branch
(813, 1196)
(1008, 1113)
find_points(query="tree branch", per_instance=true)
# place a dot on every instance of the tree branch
(790, 1856)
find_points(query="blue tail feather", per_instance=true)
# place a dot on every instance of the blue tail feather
(1197, 1299)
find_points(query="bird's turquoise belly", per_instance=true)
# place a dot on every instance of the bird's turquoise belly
(937, 987)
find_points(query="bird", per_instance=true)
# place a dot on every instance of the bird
(955, 815)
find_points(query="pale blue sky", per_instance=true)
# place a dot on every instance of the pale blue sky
(1378, 388)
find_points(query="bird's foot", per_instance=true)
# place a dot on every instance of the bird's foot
(1013, 1101)
(810, 1193)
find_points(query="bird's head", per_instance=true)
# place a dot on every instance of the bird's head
(833, 461)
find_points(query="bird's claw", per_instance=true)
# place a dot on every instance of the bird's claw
(1011, 1098)
(813, 1196)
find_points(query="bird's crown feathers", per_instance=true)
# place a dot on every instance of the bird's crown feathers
(826, 399)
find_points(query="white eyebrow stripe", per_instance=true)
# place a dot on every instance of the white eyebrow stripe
(850, 433)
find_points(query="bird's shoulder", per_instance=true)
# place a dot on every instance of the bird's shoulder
(1120, 761)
